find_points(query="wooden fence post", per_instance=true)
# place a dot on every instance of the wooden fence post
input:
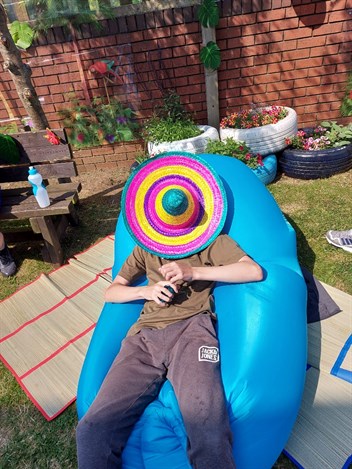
(211, 83)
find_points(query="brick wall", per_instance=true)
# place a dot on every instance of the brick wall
(296, 53)
(290, 52)
(107, 157)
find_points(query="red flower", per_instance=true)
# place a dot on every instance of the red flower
(52, 137)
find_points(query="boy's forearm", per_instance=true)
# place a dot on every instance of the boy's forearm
(118, 293)
(239, 272)
(245, 270)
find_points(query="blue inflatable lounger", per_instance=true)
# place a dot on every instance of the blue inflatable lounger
(261, 329)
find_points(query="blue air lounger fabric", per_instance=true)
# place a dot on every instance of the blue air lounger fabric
(262, 333)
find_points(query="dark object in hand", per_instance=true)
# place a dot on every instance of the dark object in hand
(171, 290)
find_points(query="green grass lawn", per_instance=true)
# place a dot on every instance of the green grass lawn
(27, 440)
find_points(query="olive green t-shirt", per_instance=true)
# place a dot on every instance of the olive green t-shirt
(193, 297)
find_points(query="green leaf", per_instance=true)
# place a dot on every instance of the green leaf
(125, 134)
(22, 34)
(210, 56)
(208, 13)
(341, 143)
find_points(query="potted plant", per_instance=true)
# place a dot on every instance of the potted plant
(264, 168)
(99, 124)
(318, 152)
(172, 128)
(264, 129)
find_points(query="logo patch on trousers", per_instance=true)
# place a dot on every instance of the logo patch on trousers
(208, 354)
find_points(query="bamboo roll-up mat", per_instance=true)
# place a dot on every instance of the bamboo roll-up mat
(322, 435)
(46, 327)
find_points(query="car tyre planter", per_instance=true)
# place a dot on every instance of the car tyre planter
(267, 172)
(192, 145)
(266, 139)
(316, 164)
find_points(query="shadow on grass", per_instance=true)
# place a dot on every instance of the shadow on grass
(98, 215)
(306, 255)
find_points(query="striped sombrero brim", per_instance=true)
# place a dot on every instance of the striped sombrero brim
(157, 230)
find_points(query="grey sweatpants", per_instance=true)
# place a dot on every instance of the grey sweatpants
(187, 354)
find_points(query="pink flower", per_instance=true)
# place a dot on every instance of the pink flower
(259, 160)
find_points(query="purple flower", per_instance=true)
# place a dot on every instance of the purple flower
(27, 121)
(121, 120)
(110, 138)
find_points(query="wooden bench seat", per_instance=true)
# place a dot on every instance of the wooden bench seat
(55, 164)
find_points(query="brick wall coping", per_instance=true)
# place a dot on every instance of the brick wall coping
(153, 5)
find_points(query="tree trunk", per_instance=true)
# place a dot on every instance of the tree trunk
(20, 74)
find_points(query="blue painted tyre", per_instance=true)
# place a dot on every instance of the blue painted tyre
(315, 164)
(261, 329)
(267, 172)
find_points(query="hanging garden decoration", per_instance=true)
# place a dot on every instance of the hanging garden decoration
(208, 15)
(210, 55)
(22, 34)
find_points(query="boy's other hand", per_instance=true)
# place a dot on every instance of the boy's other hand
(177, 271)
(159, 293)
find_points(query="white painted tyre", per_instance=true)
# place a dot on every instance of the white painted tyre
(268, 138)
(191, 145)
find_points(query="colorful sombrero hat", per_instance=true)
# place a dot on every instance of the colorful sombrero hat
(174, 205)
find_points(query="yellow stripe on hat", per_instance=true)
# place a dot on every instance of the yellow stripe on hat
(166, 217)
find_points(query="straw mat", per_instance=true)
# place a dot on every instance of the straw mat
(46, 327)
(322, 435)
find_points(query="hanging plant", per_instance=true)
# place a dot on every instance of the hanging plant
(210, 55)
(208, 14)
(22, 34)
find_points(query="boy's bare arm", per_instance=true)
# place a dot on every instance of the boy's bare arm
(245, 270)
(120, 291)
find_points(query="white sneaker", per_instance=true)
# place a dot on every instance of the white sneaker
(340, 239)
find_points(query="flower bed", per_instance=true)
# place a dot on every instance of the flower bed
(318, 152)
(263, 132)
(264, 168)
(100, 123)
(316, 164)
(256, 117)
(192, 145)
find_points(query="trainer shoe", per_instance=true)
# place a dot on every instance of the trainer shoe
(340, 239)
(7, 264)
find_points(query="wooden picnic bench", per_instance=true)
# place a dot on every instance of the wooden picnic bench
(55, 164)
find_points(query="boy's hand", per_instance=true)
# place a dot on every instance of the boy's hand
(159, 293)
(177, 271)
